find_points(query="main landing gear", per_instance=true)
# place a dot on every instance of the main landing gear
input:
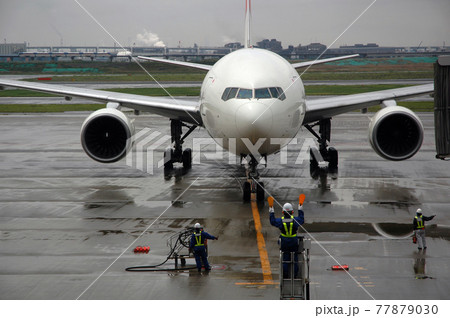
(325, 159)
(177, 154)
(253, 185)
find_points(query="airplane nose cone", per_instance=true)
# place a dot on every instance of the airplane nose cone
(254, 120)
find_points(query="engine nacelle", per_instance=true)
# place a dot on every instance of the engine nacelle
(106, 135)
(396, 133)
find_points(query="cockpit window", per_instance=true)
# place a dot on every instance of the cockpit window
(233, 92)
(229, 93)
(225, 93)
(262, 93)
(274, 92)
(245, 93)
(281, 95)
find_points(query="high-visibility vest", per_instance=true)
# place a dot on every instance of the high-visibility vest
(198, 239)
(288, 233)
(419, 223)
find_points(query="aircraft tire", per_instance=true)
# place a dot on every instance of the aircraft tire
(333, 158)
(260, 194)
(313, 166)
(187, 158)
(168, 163)
(246, 191)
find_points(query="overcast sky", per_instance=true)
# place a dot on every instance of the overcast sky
(214, 22)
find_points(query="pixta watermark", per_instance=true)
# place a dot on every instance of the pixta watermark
(149, 145)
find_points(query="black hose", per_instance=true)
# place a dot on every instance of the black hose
(181, 241)
(134, 268)
(152, 269)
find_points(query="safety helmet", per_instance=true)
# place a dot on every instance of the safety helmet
(419, 211)
(287, 207)
(197, 226)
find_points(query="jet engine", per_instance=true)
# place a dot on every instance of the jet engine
(106, 135)
(396, 133)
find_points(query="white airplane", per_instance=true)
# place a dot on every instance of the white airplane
(248, 98)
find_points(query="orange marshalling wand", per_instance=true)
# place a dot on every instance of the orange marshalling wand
(301, 199)
(270, 200)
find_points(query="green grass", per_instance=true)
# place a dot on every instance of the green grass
(23, 93)
(48, 108)
(94, 67)
(174, 91)
(347, 89)
(142, 77)
(345, 76)
(55, 108)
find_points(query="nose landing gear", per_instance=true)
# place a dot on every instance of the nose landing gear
(253, 185)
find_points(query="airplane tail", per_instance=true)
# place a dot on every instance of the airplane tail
(248, 14)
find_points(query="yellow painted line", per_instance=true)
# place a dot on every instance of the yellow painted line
(259, 283)
(265, 264)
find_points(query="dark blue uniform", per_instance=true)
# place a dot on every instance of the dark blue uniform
(198, 246)
(288, 226)
(419, 229)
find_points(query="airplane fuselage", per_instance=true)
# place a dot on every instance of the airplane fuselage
(252, 95)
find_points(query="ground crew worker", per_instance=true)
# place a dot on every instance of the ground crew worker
(197, 245)
(288, 226)
(419, 228)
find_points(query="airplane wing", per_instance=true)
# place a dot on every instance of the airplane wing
(328, 107)
(332, 59)
(188, 64)
(184, 110)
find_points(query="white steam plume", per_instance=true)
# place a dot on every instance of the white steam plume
(147, 38)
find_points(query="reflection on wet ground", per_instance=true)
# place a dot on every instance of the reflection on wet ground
(419, 266)
(108, 197)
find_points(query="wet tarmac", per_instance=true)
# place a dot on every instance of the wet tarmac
(68, 225)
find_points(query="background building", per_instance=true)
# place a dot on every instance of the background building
(12, 48)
